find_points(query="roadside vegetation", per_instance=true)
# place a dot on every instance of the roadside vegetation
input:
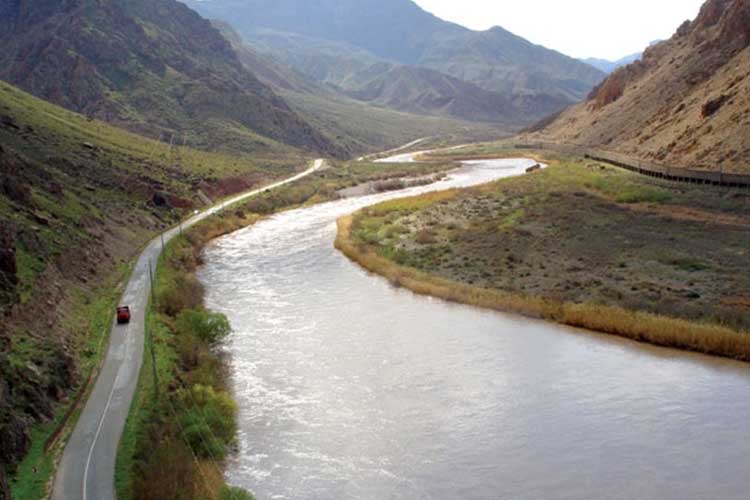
(182, 424)
(581, 243)
(181, 428)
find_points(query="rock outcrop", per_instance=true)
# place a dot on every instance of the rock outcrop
(686, 103)
(8, 277)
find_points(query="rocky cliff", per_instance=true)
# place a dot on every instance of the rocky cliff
(686, 103)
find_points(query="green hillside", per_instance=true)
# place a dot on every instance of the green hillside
(78, 198)
(152, 66)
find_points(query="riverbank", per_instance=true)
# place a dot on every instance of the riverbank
(182, 426)
(580, 243)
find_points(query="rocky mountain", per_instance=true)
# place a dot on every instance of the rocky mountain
(153, 66)
(335, 69)
(426, 91)
(376, 105)
(609, 66)
(335, 41)
(686, 103)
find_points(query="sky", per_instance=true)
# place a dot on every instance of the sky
(578, 28)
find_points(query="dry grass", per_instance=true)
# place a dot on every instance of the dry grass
(639, 326)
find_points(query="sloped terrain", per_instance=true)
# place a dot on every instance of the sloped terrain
(335, 40)
(425, 91)
(380, 106)
(154, 67)
(686, 104)
(77, 199)
(340, 69)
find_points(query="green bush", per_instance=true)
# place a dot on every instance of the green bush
(209, 327)
(208, 421)
(183, 292)
(229, 493)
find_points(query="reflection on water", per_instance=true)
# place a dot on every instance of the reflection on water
(351, 389)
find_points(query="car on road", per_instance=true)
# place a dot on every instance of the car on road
(123, 315)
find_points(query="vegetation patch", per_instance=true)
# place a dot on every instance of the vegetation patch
(581, 243)
(182, 423)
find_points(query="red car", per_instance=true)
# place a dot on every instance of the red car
(123, 315)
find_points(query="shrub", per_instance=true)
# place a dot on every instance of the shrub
(425, 237)
(228, 493)
(183, 292)
(209, 327)
(166, 473)
(208, 421)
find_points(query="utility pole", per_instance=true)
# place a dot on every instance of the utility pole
(171, 142)
(150, 334)
(156, 146)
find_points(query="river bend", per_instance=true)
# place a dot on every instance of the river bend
(349, 388)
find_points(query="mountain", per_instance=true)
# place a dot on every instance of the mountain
(336, 40)
(609, 66)
(686, 103)
(152, 66)
(379, 105)
(335, 69)
(268, 70)
(421, 90)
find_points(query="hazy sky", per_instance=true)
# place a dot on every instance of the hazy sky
(579, 28)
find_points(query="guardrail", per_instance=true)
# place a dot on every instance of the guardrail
(651, 169)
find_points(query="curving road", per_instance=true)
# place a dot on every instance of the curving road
(87, 468)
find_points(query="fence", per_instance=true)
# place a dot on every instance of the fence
(651, 169)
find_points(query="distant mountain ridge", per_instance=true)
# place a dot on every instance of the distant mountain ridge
(686, 103)
(357, 74)
(608, 66)
(152, 66)
(336, 41)
(372, 124)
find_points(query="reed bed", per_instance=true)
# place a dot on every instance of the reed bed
(654, 329)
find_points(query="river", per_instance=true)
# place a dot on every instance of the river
(349, 388)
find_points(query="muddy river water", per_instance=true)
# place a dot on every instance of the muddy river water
(349, 388)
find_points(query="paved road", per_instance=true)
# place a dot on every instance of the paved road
(86, 470)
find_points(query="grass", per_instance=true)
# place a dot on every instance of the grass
(68, 131)
(28, 267)
(91, 318)
(365, 128)
(579, 243)
(635, 325)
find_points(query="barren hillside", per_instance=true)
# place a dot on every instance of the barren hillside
(687, 103)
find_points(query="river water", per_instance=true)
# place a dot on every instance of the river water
(349, 388)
